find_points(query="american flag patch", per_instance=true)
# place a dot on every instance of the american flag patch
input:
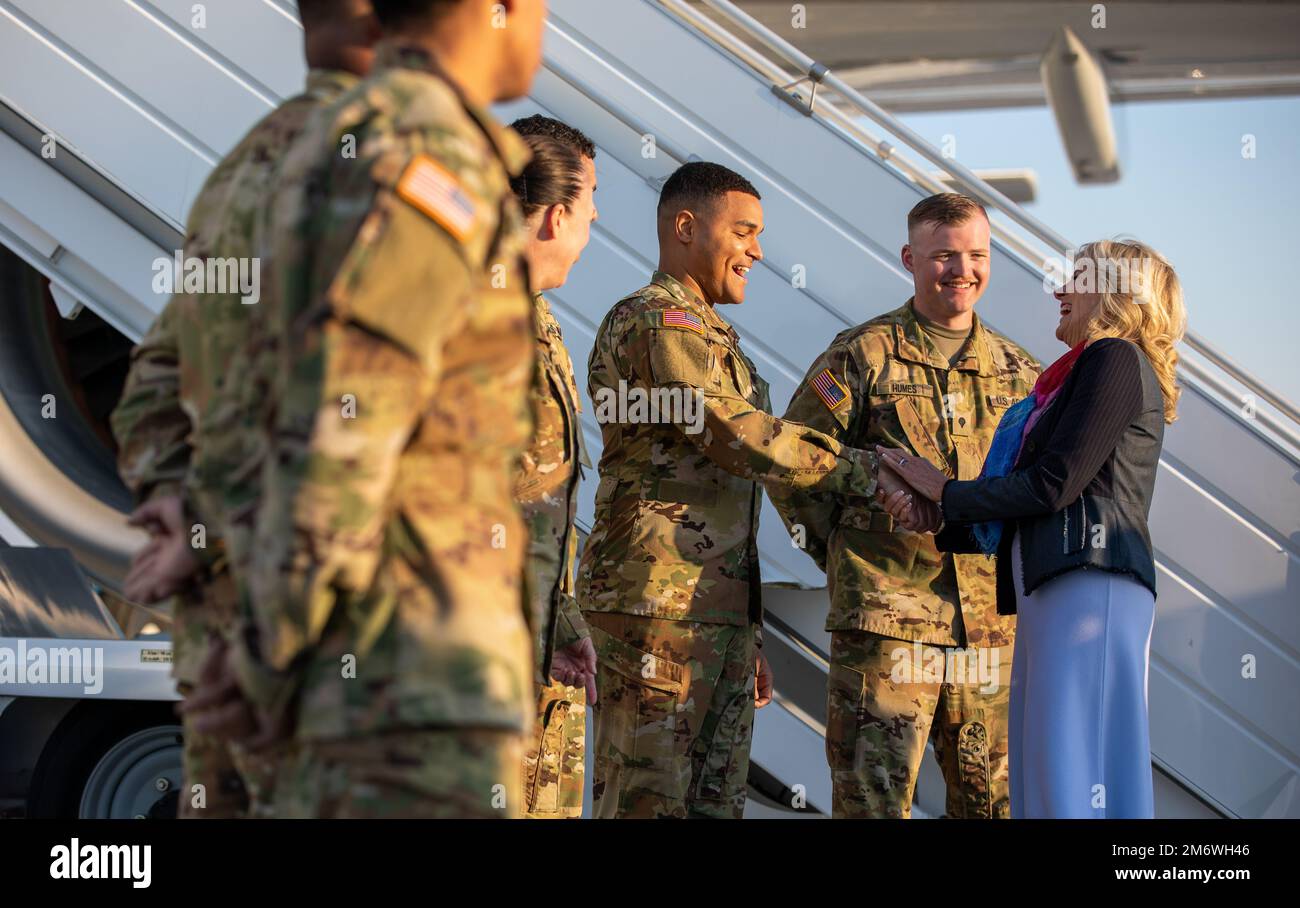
(680, 318)
(432, 189)
(828, 389)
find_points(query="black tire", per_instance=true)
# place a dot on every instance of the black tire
(82, 740)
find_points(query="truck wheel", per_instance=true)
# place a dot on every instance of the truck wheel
(110, 761)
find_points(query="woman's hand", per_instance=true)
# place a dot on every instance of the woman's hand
(913, 512)
(917, 472)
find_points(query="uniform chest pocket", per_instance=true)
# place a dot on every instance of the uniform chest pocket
(738, 371)
(561, 423)
(920, 425)
(719, 372)
(688, 525)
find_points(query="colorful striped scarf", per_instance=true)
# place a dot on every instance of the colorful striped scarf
(1012, 430)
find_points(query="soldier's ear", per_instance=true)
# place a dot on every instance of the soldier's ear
(684, 226)
(906, 257)
(554, 219)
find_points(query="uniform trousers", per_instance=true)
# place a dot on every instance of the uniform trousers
(555, 763)
(443, 773)
(674, 718)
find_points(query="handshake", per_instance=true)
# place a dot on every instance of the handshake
(910, 489)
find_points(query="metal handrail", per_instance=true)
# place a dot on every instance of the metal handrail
(848, 127)
(819, 74)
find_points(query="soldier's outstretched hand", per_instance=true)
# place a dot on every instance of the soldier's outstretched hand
(762, 682)
(913, 512)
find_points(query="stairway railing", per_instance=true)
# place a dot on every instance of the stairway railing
(845, 118)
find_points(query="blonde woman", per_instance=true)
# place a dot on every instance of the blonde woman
(1063, 501)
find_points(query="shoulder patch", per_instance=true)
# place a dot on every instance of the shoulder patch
(435, 191)
(680, 318)
(828, 388)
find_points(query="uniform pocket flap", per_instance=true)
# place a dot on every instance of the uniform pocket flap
(677, 492)
(917, 432)
(638, 666)
(605, 490)
(848, 682)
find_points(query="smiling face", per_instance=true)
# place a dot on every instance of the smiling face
(1077, 308)
(950, 269)
(723, 245)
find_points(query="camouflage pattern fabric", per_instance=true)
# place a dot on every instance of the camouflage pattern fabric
(236, 784)
(885, 382)
(449, 774)
(554, 768)
(898, 391)
(675, 717)
(676, 510)
(386, 570)
(209, 763)
(166, 423)
(547, 490)
(888, 697)
(180, 373)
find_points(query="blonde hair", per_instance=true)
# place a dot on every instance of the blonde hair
(1141, 301)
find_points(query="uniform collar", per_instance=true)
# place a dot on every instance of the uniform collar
(912, 344)
(329, 82)
(544, 319)
(510, 147)
(692, 300)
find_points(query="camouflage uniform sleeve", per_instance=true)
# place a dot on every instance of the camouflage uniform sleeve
(151, 429)
(571, 626)
(739, 438)
(813, 515)
(355, 371)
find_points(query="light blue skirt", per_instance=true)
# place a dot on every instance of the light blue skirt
(1080, 742)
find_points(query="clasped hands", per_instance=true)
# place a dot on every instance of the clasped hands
(908, 487)
(165, 566)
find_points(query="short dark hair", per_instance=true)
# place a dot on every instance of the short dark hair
(698, 182)
(313, 12)
(397, 13)
(554, 175)
(945, 208)
(538, 125)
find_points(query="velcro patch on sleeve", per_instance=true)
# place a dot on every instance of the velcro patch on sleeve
(680, 318)
(828, 388)
(435, 191)
(886, 388)
(1001, 401)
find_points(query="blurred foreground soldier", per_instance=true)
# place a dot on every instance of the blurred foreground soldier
(918, 650)
(180, 380)
(669, 577)
(387, 623)
(556, 192)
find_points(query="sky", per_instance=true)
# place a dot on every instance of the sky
(1229, 224)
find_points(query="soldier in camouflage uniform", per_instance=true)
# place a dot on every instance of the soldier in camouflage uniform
(164, 424)
(555, 190)
(900, 609)
(388, 618)
(669, 578)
